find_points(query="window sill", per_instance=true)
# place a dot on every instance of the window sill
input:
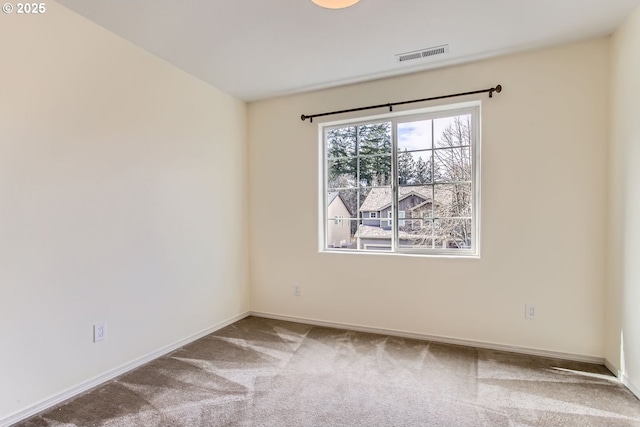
(447, 255)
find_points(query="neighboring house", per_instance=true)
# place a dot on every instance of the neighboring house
(376, 209)
(339, 217)
(414, 204)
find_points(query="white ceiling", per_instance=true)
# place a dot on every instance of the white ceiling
(256, 49)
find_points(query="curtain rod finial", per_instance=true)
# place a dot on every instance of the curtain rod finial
(303, 117)
(499, 88)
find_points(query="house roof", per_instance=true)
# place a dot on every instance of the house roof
(419, 205)
(379, 198)
(332, 196)
(369, 232)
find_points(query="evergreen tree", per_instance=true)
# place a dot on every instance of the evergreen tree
(407, 173)
(364, 151)
(423, 171)
(375, 154)
(341, 150)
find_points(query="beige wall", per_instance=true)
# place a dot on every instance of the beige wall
(623, 291)
(122, 192)
(543, 210)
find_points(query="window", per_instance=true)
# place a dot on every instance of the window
(423, 165)
(389, 223)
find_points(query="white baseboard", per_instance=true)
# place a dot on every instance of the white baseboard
(107, 376)
(631, 386)
(436, 338)
(624, 379)
(615, 371)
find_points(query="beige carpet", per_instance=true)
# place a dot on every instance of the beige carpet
(260, 372)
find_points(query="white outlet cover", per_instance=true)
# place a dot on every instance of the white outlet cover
(99, 331)
(530, 311)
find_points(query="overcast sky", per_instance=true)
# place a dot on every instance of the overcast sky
(417, 135)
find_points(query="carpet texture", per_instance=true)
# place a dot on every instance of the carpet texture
(261, 372)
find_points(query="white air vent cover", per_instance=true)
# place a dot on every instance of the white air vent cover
(422, 54)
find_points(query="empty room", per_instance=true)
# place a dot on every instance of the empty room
(320, 213)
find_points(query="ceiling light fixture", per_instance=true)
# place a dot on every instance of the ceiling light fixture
(335, 4)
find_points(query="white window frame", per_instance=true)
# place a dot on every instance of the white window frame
(473, 108)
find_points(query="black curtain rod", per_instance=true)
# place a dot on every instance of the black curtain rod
(390, 105)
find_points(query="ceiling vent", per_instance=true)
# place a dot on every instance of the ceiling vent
(422, 54)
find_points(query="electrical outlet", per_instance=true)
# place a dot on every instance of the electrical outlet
(530, 311)
(99, 331)
(296, 290)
